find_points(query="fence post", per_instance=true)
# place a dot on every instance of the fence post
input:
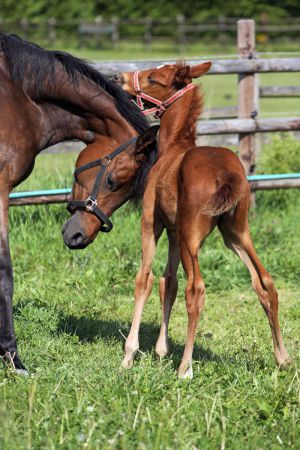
(115, 36)
(247, 93)
(182, 33)
(51, 26)
(148, 34)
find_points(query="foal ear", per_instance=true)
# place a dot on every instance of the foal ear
(200, 69)
(146, 139)
(181, 74)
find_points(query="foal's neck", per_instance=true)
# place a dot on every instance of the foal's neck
(178, 123)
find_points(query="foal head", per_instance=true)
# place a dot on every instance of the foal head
(160, 83)
(105, 178)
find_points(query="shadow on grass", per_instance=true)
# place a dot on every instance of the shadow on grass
(89, 330)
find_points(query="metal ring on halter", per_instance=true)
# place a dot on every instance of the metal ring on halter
(105, 158)
(90, 203)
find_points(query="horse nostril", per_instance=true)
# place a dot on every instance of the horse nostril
(77, 238)
(117, 77)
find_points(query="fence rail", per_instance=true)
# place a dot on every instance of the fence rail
(180, 28)
(246, 125)
(257, 182)
(219, 67)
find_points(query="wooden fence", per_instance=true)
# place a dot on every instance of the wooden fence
(180, 29)
(246, 67)
(248, 122)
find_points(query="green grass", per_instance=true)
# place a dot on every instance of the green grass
(70, 309)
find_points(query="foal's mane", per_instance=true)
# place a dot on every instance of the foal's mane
(194, 111)
(33, 68)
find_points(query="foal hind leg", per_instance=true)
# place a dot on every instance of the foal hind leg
(191, 239)
(168, 287)
(238, 239)
(143, 287)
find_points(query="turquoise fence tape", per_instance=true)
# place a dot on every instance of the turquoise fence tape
(66, 191)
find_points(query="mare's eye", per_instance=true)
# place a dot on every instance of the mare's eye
(110, 183)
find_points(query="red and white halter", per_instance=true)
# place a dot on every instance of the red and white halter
(160, 107)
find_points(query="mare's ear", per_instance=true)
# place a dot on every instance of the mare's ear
(180, 75)
(200, 69)
(146, 139)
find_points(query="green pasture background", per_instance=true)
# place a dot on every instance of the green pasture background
(72, 309)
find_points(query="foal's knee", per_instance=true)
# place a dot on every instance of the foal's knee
(144, 281)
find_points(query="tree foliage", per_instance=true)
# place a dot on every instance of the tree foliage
(202, 9)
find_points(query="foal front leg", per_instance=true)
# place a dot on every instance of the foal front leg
(143, 287)
(8, 344)
(168, 287)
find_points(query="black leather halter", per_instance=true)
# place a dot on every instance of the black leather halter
(90, 203)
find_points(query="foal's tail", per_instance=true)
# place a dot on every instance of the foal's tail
(227, 196)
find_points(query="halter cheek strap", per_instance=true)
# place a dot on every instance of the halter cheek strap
(90, 203)
(160, 107)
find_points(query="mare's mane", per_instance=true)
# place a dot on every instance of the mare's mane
(33, 69)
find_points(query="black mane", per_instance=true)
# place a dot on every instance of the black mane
(31, 67)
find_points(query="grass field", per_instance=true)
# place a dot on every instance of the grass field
(72, 308)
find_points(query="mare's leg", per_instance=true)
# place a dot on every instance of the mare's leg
(236, 235)
(8, 345)
(191, 238)
(143, 287)
(168, 286)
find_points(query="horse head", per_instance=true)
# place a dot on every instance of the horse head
(105, 179)
(160, 86)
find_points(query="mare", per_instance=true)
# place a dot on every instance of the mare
(190, 190)
(48, 97)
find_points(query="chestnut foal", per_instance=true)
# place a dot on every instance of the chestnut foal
(189, 191)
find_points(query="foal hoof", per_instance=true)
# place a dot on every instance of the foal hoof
(186, 374)
(284, 363)
(283, 359)
(161, 351)
(127, 363)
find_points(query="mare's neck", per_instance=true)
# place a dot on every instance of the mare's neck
(60, 124)
(94, 104)
(178, 123)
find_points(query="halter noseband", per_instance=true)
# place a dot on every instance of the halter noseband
(160, 107)
(90, 203)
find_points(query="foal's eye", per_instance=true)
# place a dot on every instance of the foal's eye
(150, 80)
(110, 183)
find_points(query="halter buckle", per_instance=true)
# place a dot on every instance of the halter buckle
(159, 111)
(90, 203)
(105, 161)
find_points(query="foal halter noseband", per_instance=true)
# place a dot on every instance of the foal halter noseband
(90, 203)
(160, 107)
